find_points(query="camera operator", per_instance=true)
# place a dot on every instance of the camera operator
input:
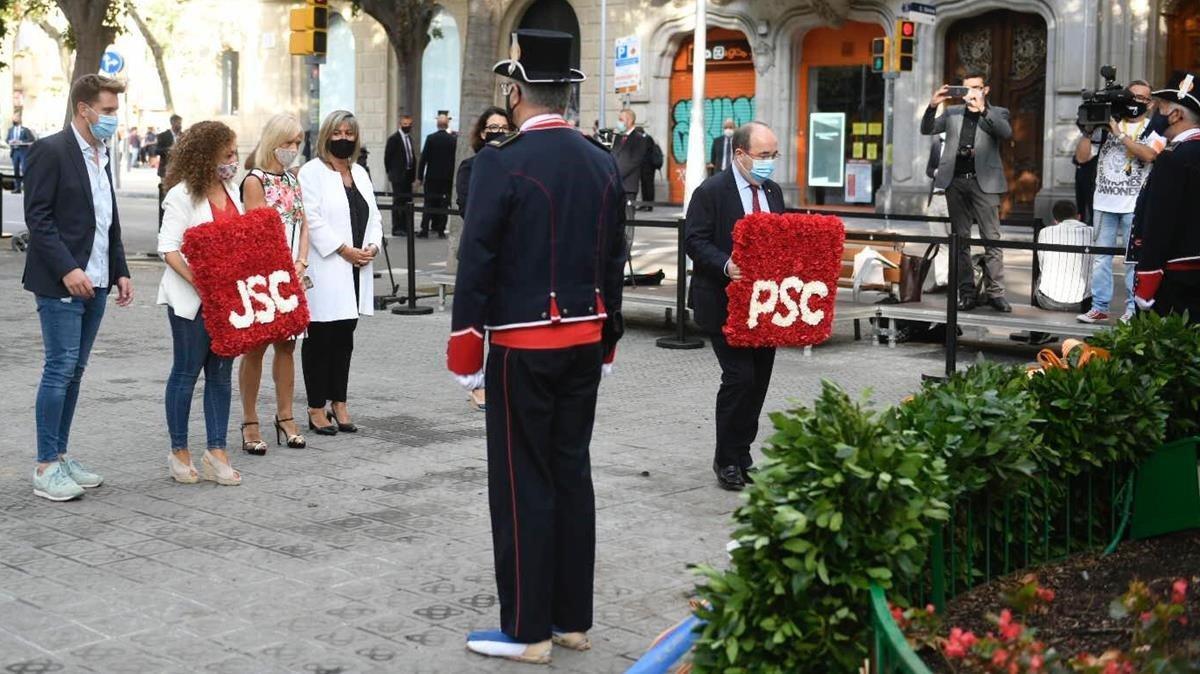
(1127, 147)
(972, 175)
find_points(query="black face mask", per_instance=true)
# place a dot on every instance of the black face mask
(1136, 109)
(1158, 123)
(341, 148)
(493, 135)
(406, 129)
(508, 105)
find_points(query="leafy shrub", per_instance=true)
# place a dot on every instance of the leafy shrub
(1167, 349)
(981, 421)
(841, 502)
(1105, 412)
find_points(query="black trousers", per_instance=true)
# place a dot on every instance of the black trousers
(541, 406)
(745, 378)
(325, 357)
(969, 204)
(1179, 292)
(437, 195)
(401, 207)
(647, 185)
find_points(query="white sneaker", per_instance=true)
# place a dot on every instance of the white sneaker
(54, 484)
(1127, 316)
(1092, 316)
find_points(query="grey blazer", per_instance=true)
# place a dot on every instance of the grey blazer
(992, 130)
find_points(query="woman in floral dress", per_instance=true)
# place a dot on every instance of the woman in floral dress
(270, 184)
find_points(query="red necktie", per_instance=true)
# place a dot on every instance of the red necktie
(754, 208)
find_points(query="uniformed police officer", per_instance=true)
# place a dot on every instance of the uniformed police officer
(540, 272)
(1166, 241)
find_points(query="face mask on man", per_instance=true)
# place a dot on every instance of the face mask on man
(286, 156)
(104, 127)
(341, 148)
(761, 169)
(620, 127)
(406, 128)
(728, 133)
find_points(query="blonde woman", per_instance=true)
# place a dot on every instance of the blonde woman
(269, 184)
(346, 231)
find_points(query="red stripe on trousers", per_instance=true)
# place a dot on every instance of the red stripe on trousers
(512, 487)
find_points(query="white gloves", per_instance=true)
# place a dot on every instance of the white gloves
(1142, 304)
(606, 369)
(470, 381)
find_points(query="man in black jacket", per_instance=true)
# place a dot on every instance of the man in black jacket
(630, 148)
(401, 163)
(719, 202)
(721, 153)
(75, 258)
(164, 142)
(436, 173)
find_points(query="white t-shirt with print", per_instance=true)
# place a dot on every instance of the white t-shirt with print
(1119, 175)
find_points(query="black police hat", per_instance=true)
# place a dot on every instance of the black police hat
(1182, 94)
(540, 57)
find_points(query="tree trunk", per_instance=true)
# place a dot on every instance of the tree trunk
(478, 83)
(92, 36)
(156, 50)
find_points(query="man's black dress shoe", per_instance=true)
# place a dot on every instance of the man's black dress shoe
(729, 477)
(1000, 304)
(422, 235)
(967, 303)
(399, 232)
(441, 235)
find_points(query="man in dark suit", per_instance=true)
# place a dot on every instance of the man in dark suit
(436, 173)
(630, 148)
(719, 202)
(721, 154)
(163, 144)
(972, 175)
(19, 140)
(75, 258)
(401, 164)
(541, 272)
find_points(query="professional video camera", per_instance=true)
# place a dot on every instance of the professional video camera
(1114, 101)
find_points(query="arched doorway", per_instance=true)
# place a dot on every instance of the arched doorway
(728, 92)
(441, 73)
(337, 73)
(836, 84)
(1183, 40)
(556, 15)
(1011, 48)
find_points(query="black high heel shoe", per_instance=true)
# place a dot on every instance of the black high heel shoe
(321, 430)
(293, 441)
(344, 428)
(256, 447)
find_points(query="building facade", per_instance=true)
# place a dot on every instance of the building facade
(802, 66)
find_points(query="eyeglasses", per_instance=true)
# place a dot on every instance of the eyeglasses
(496, 128)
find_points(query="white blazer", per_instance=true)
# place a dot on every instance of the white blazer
(332, 296)
(180, 213)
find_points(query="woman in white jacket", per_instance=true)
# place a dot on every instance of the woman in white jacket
(199, 190)
(345, 232)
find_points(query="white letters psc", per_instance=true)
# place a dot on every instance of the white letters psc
(777, 293)
(271, 300)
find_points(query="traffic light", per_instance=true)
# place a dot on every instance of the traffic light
(879, 55)
(308, 25)
(906, 43)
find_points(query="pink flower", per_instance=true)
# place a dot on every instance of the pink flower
(1179, 591)
(929, 609)
(1036, 663)
(1045, 594)
(1011, 631)
(1146, 617)
(1000, 657)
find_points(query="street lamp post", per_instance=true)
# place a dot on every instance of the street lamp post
(603, 57)
(695, 159)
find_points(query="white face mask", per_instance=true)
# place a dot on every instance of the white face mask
(286, 157)
(728, 133)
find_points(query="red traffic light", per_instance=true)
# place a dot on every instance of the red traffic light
(908, 29)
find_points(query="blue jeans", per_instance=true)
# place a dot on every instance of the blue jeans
(18, 162)
(69, 327)
(1112, 229)
(193, 354)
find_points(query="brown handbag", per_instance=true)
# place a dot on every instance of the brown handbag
(913, 271)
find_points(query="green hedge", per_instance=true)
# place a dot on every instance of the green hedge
(848, 496)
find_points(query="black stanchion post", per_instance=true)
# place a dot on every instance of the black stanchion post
(952, 307)
(680, 340)
(411, 308)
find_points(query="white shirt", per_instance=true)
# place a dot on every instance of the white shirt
(408, 155)
(1120, 175)
(1065, 277)
(102, 204)
(745, 193)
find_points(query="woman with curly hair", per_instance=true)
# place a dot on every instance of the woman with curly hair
(200, 190)
(270, 184)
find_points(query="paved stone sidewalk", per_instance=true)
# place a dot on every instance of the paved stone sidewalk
(367, 552)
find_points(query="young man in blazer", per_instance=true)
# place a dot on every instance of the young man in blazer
(972, 175)
(400, 162)
(719, 202)
(75, 258)
(435, 171)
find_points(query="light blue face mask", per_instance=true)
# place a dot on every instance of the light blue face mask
(620, 127)
(762, 169)
(104, 127)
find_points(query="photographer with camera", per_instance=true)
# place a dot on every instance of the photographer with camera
(972, 175)
(1127, 147)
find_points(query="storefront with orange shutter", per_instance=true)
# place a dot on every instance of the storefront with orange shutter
(728, 92)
